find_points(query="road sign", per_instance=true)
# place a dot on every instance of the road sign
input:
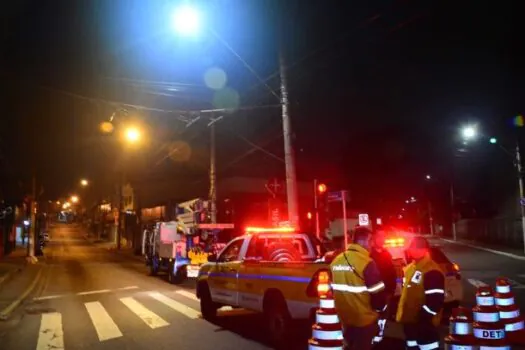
(215, 226)
(335, 196)
(364, 220)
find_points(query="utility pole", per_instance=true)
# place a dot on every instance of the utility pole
(430, 218)
(32, 227)
(316, 208)
(452, 206)
(521, 190)
(120, 208)
(213, 175)
(289, 159)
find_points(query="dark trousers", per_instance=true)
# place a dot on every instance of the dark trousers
(421, 336)
(359, 338)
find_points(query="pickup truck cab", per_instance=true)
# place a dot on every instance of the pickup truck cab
(271, 271)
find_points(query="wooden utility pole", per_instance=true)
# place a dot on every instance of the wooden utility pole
(32, 224)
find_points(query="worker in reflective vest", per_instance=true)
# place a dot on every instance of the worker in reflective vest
(385, 265)
(358, 292)
(422, 298)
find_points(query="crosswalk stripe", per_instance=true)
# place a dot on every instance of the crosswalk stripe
(51, 335)
(150, 318)
(477, 283)
(175, 305)
(103, 323)
(187, 294)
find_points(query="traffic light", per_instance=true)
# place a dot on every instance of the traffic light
(321, 188)
(309, 215)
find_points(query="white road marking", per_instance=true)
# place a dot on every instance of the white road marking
(187, 294)
(57, 296)
(95, 292)
(515, 284)
(175, 305)
(477, 283)
(150, 318)
(103, 323)
(128, 288)
(51, 335)
(49, 297)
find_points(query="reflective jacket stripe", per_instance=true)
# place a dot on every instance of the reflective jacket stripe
(358, 289)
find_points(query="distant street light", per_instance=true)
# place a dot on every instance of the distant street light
(84, 182)
(493, 140)
(74, 199)
(428, 177)
(469, 132)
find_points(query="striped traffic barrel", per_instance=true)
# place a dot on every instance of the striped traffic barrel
(460, 335)
(327, 332)
(488, 329)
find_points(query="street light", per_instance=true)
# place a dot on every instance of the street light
(469, 132)
(132, 134)
(74, 199)
(428, 177)
(84, 182)
(186, 20)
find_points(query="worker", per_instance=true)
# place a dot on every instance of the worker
(422, 298)
(358, 291)
(385, 265)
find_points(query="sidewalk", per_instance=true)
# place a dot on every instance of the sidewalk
(19, 278)
(12, 264)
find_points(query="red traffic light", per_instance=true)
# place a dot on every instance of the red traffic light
(321, 188)
(309, 215)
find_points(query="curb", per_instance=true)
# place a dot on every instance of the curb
(8, 276)
(5, 313)
(493, 251)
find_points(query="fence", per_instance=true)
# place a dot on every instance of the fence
(503, 231)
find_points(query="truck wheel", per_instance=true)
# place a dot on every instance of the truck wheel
(178, 276)
(278, 322)
(208, 307)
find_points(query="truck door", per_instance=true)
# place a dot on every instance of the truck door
(224, 281)
(250, 293)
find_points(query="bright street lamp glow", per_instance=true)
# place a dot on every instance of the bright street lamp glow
(428, 177)
(132, 135)
(186, 20)
(84, 182)
(493, 140)
(469, 132)
(74, 199)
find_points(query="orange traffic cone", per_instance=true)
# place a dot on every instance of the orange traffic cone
(509, 312)
(460, 336)
(488, 329)
(327, 331)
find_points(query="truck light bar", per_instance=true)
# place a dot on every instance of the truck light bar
(251, 229)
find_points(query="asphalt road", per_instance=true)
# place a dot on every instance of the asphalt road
(92, 298)
(480, 267)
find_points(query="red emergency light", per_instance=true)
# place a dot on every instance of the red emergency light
(251, 229)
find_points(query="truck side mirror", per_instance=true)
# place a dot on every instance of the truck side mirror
(212, 258)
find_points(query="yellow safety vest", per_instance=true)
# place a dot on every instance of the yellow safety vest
(351, 295)
(413, 294)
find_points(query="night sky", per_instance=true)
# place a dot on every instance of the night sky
(378, 91)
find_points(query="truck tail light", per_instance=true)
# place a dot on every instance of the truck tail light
(394, 243)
